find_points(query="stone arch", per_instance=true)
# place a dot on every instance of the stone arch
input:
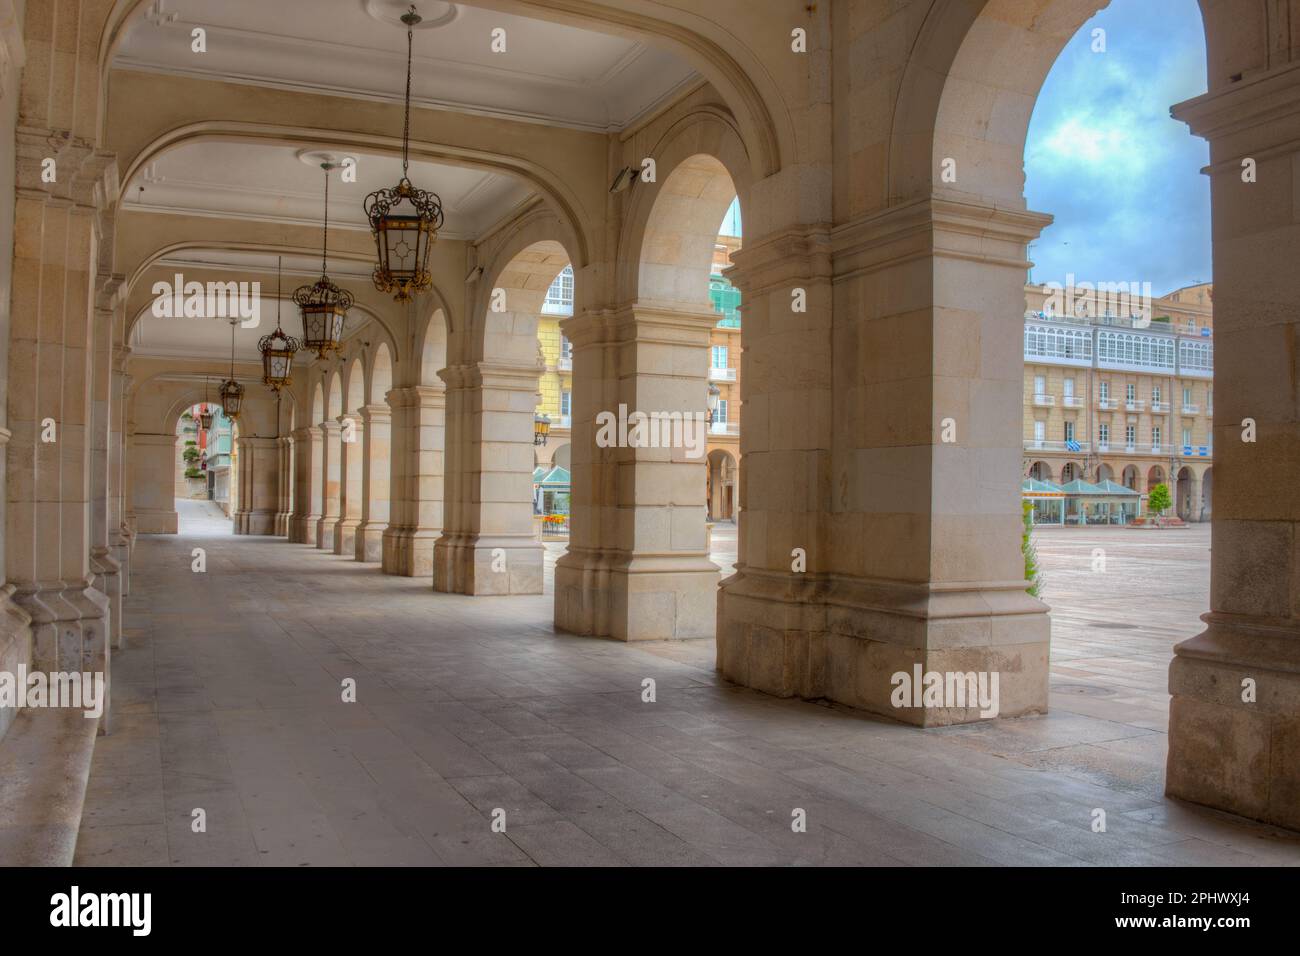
(1070, 471)
(1131, 477)
(969, 90)
(429, 345)
(1041, 471)
(1105, 472)
(737, 73)
(555, 191)
(666, 244)
(380, 375)
(334, 396)
(1155, 476)
(355, 389)
(317, 405)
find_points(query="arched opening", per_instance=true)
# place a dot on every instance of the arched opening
(376, 423)
(1131, 477)
(1040, 471)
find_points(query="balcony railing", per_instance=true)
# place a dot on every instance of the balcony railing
(565, 363)
(1108, 404)
(1103, 446)
(1134, 404)
(724, 428)
(1072, 401)
(722, 374)
(1045, 400)
(1159, 407)
(1191, 408)
(1130, 449)
(1033, 444)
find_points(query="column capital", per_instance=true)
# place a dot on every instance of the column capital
(375, 413)
(1265, 106)
(423, 396)
(499, 375)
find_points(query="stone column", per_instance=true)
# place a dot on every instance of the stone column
(352, 450)
(118, 532)
(882, 450)
(637, 567)
(307, 443)
(376, 458)
(1234, 717)
(284, 503)
(419, 413)
(329, 464)
(489, 545)
(259, 464)
(104, 568)
(153, 483)
(48, 528)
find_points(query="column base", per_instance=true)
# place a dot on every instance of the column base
(846, 640)
(480, 564)
(157, 522)
(345, 536)
(281, 526)
(369, 543)
(107, 578)
(408, 552)
(256, 522)
(631, 598)
(15, 645)
(1226, 752)
(70, 627)
(302, 530)
(325, 532)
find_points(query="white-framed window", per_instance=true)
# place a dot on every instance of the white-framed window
(1187, 437)
(1187, 395)
(1068, 387)
(1069, 431)
(1104, 387)
(1103, 434)
(566, 347)
(1155, 393)
(1130, 435)
(1040, 385)
(720, 415)
(559, 297)
(1130, 392)
(1155, 435)
(719, 356)
(1040, 431)
(566, 403)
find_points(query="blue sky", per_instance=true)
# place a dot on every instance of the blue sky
(1122, 178)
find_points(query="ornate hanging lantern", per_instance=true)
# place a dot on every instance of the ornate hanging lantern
(231, 392)
(541, 428)
(404, 219)
(324, 305)
(205, 411)
(277, 348)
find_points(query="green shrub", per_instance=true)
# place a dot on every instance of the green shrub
(190, 454)
(1158, 499)
(193, 473)
(1033, 573)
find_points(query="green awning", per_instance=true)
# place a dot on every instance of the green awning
(555, 478)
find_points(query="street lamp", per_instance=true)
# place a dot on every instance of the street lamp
(541, 428)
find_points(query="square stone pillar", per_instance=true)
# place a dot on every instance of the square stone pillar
(637, 566)
(153, 483)
(376, 462)
(880, 512)
(104, 568)
(416, 483)
(352, 450)
(50, 458)
(307, 456)
(331, 454)
(1234, 717)
(285, 479)
(259, 477)
(489, 545)
(118, 532)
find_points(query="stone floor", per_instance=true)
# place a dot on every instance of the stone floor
(228, 700)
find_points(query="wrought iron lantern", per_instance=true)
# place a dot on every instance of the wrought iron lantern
(324, 305)
(714, 394)
(231, 392)
(205, 411)
(277, 348)
(404, 219)
(541, 428)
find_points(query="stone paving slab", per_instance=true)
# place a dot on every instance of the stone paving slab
(229, 699)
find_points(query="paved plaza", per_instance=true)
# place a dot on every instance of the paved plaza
(227, 698)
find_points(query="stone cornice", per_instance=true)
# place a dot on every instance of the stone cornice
(935, 227)
(780, 260)
(498, 375)
(1258, 104)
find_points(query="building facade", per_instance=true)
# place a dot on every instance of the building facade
(1110, 397)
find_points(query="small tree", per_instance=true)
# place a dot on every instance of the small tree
(190, 454)
(1158, 499)
(1033, 573)
(193, 473)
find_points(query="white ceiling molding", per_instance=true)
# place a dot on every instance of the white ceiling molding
(550, 73)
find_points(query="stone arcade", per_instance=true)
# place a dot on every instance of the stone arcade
(171, 162)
